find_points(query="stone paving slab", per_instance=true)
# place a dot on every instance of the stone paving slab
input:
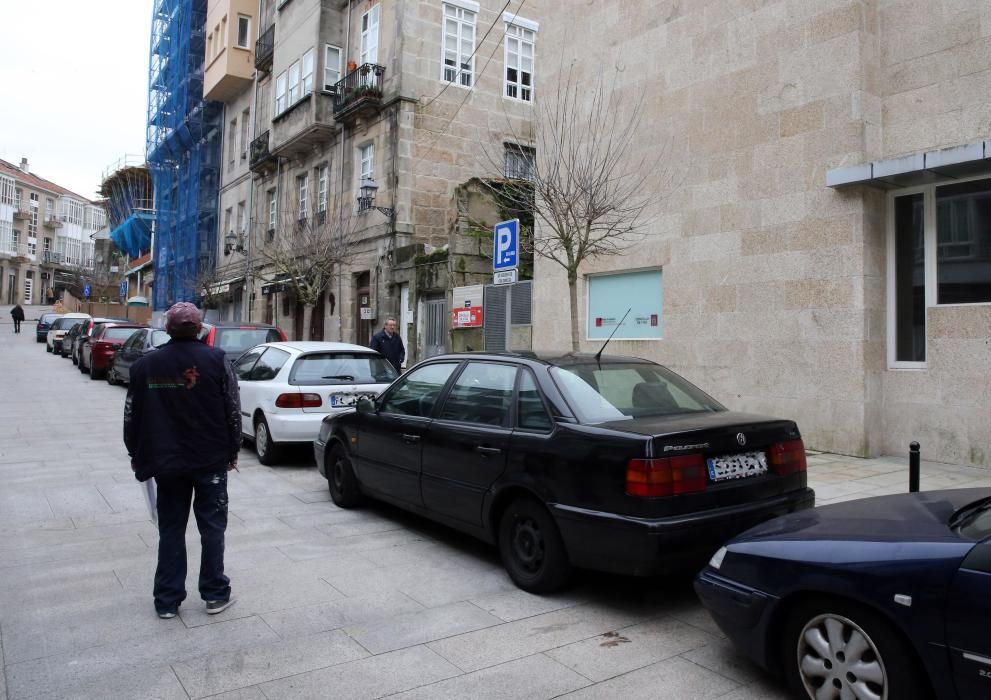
(363, 603)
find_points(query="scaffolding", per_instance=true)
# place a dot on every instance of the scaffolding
(129, 201)
(183, 151)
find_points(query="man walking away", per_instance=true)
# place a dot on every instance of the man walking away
(182, 427)
(388, 342)
(17, 313)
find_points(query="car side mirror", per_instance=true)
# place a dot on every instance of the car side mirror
(366, 405)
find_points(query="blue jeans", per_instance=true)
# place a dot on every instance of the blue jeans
(175, 492)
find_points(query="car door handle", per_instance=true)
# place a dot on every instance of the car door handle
(410, 439)
(487, 450)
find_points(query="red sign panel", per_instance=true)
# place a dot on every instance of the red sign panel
(466, 318)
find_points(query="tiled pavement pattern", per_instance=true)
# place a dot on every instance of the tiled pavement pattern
(344, 604)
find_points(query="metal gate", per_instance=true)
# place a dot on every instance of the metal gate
(435, 335)
(506, 305)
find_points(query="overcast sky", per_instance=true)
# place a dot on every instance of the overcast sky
(75, 86)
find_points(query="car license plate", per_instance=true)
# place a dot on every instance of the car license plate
(342, 400)
(738, 466)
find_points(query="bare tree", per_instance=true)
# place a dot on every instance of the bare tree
(587, 185)
(304, 252)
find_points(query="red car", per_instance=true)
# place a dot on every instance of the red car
(98, 352)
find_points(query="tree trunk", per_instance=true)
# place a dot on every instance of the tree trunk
(307, 322)
(573, 297)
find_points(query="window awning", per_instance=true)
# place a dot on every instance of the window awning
(917, 168)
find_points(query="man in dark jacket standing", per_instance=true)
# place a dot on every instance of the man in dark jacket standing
(388, 342)
(182, 427)
(17, 314)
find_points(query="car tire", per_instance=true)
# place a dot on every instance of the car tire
(818, 638)
(341, 480)
(265, 448)
(82, 367)
(76, 359)
(111, 377)
(531, 547)
(48, 348)
(94, 374)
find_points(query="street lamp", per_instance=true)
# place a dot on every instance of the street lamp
(232, 241)
(366, 199)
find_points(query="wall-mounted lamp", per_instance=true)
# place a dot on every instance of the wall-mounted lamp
(233, 241)
(366, 199)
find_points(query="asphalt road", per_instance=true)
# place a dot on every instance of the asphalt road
(330, 603)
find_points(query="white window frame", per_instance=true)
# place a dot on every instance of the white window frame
(329, 69)
(366, 157)
(272, 209)
(461, 18)
(370, 36)
(307, 72)
(247, 32)
(293, 84)
(322, 172)
(303, 195)
(519, 32)
(280, 93)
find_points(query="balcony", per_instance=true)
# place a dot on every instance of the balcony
(22, 210)
(305, 125)
(53, 221)
(50, 257)
(359, 92)
(265, 49)
(261, 159)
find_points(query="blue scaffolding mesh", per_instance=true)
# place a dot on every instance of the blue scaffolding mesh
(183, 151)
(127, 190)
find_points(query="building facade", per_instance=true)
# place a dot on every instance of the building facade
(46, 235)
(819, 245)
(366, 119)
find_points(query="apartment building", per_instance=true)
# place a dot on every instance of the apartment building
(46, 233)
(823, 251)
(367, 118)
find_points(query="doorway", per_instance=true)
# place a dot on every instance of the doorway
(435, 335)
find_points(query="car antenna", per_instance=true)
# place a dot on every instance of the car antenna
(599, 354)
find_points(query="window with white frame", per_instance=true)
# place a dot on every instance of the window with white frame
(272, 209)
(519, 62)
(322, 188)
(458, 45)
(939, 253)
(245, 119)
(6, 190)
(366, 158)
(243, 31)
(303, 190)
(240, 217)
(231, 144)
(49, 207)
(294, 87)
(72, 211)
(370, 36)
(228, 216)
(331, 66)
(307, 72)
(280, 93)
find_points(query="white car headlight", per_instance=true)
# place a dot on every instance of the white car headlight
(717, 558)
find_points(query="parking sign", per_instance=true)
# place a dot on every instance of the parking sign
(86, 291)
(506, 243)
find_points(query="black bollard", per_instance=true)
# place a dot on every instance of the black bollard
(913, 468)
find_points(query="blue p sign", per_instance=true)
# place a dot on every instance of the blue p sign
(506, 245)
(86, 291)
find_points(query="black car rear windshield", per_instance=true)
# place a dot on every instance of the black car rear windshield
(237, 340)
(618, 391)
(341, 368)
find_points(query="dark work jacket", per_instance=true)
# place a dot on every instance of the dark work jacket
(392, 348)
(17, 313)
(182, 412)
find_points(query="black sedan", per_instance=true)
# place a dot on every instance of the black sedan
(609, 463)
(886, 597)
(141, 342)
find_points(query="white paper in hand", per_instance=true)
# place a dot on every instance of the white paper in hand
(151, 498)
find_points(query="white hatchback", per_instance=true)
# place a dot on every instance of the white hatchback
(288, 387)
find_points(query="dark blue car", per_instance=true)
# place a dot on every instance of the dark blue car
(886, 597)
(44, 324)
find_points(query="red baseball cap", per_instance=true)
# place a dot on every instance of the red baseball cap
(182, 314)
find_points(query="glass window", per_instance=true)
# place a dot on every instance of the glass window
(367, 153)
(271, 209)
(159, 338)
(415, 393)
(370, 36)
(245, 363)
(243, 31)
(307, 73)
(963, 242)
(268, 366)
(531, 413)
(458, 46)
(322, 188)
(331, 67)
(620, 390)
(342, 368)
(483, 393)
(910, 279)
(519, 162)
(280, 93)
(519, 63)
(303, 187)
(232, 340)
(294, 88)
(609, 298)
(113, 333)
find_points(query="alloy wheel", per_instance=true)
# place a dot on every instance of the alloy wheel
(261, 438)
(838, 660)
(528, 544)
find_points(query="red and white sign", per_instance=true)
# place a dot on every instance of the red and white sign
(466, 318)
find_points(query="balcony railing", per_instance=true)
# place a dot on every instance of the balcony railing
(53, 221)
(264, 49)
(260, 155)
(50, 257)
(358, 90)
(22, 210)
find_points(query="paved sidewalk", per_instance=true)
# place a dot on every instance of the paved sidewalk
(331, 603)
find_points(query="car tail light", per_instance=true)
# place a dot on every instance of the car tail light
(103, 347)
(670, 476)
(299, 401)
(211, 336)
(787, 457)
